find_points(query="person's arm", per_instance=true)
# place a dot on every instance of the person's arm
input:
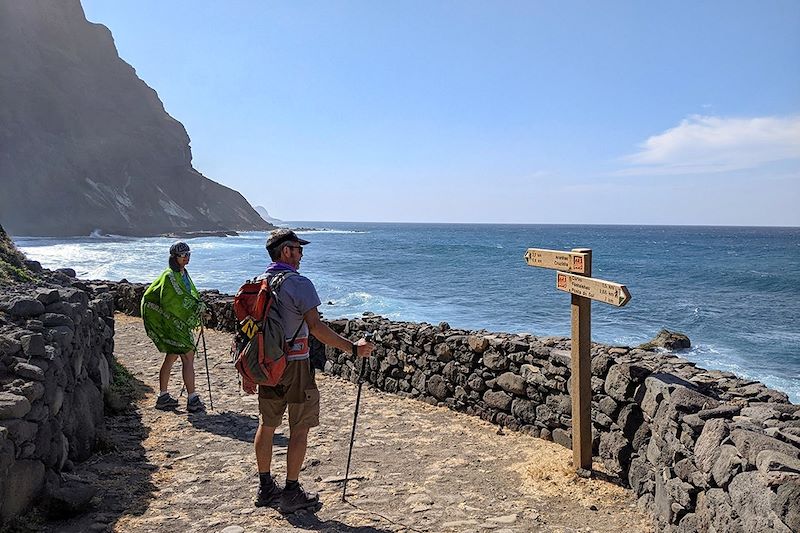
(327, 336)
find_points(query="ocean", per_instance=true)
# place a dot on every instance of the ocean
(735, 291)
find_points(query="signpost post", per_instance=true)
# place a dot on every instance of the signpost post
(574, 276)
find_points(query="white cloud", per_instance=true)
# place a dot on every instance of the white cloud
(706, 144)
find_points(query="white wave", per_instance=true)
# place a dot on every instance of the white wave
(325, 230)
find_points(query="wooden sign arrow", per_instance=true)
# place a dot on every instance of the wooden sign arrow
(557, 260)
(593, 288)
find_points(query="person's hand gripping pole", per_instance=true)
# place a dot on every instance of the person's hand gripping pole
(363, 349)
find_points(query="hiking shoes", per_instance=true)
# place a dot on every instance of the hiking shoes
(165, 402)
(297, 498)
(195, 404)
(269, 495)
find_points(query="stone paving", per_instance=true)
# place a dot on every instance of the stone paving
(415, 467)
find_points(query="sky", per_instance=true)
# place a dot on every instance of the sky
(583, 112)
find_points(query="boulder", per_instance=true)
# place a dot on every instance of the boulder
(438, 387)
(498, 400)
(70, 499)
(28, 479)
(494, 360)
(669, 340)
(706, 448)
(524, 410)
(13, 406)
(9, 345)
(29, 371)
(787, 505)
(33, 345)
(622, 378)
(26, 307)
(727, 465)
(562, 437)
(512, 383)
(753, 501)
(750, 444)
(47, 296)
(478, 344)
(615, 451)
(715, 512)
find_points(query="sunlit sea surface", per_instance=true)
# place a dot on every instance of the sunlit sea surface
(734, 291)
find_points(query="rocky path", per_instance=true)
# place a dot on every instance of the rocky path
(415, 467)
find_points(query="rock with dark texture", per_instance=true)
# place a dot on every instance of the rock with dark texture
(498, 400)
(25, 307)
(670, 340)
(750, 444)
(13, 405)
(68, 500)
(28, 479)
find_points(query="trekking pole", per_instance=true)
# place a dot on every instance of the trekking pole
(208, 375)
(368, 337)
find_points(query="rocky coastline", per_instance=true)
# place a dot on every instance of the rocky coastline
(702, 450)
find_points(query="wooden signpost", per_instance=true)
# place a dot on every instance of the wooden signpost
(575, 277)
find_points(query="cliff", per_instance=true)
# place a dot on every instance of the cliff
(85, 144)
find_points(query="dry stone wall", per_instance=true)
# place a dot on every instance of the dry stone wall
(56, 347)
(704, 450)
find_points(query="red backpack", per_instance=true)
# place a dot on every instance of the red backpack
(259, 347)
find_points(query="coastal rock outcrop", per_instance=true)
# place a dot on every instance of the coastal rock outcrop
(669, 340)
(86, 145)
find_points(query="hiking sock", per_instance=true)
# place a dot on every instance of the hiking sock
(291, 484)
(192, 395)
(265, 479)
(162, 393)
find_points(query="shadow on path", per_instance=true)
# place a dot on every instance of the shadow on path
(232, 425)
(311, 522)
(119, 470)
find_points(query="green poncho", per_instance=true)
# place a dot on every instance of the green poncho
(170, 311)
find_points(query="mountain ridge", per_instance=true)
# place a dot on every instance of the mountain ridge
(86, 145)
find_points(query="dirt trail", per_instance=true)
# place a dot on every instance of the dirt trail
(415, 467)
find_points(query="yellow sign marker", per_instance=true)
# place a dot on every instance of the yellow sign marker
(556, 260)
(249, 327)
(593, 288)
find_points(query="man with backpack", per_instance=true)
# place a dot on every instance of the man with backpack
(296, 303)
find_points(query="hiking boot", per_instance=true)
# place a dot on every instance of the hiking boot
(269, 495)
(165, 402)
(296, 499)
(195, 404)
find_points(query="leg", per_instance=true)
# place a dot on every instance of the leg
(263, 445)
(294, 496)
(187, 369)
(166, 368)
(298, 442)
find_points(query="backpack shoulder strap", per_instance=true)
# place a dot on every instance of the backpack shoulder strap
(276, 279)
(275, 283)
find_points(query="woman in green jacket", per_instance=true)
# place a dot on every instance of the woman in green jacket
(171, 310)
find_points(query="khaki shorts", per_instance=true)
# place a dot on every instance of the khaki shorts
(298, 390)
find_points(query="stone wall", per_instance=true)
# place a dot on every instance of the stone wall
(703, 449)
(56, 347)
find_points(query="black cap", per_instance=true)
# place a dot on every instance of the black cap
(280, 236)
(178, 248)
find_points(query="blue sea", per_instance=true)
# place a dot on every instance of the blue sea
(735, 291)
